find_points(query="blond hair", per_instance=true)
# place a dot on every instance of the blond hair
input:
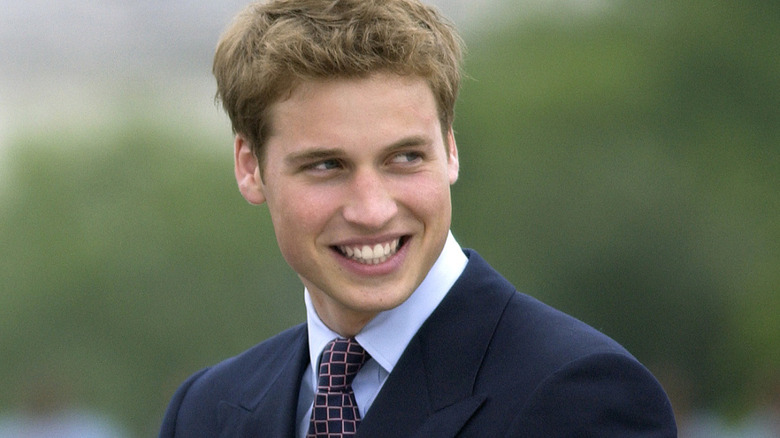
(272, 47)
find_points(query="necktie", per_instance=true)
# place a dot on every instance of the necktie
(335, 412)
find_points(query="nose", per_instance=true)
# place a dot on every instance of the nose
(370, 203)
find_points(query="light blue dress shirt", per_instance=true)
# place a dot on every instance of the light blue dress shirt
(385, 337)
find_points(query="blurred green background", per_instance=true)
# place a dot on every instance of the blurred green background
(619, 161)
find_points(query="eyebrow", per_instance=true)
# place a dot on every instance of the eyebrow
(323, 153)
(414, 140)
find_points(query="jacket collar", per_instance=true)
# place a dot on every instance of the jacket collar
(432, 387)
(430, 393)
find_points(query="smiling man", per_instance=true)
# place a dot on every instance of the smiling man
(356, 176)
(343, 114)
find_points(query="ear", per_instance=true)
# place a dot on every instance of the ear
(247, 169)
(453, 166)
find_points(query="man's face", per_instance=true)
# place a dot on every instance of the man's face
(357, 182)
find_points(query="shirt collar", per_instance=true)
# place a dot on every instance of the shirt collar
(386, 336)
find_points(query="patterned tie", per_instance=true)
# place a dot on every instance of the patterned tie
(335, 412)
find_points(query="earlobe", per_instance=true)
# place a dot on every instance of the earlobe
(453, 166)
(247, 170)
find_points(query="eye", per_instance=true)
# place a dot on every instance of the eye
(324, 165)
(407, 157)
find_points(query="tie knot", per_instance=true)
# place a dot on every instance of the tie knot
(341, 360)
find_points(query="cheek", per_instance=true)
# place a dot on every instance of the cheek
(299, 223)
(294, 236)
(430, 199)
(298, 216)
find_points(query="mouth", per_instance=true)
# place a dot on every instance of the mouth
(371, 254)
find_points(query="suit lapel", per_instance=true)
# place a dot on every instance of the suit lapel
(430, 392)
(269, 402)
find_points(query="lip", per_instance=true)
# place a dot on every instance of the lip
(386, 266)
(373, 240)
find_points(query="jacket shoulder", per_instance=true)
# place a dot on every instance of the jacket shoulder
(227, 377)
(525, 324)
(196, 403)
(552, 373)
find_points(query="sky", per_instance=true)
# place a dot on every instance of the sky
(77, 64)
(73, 64)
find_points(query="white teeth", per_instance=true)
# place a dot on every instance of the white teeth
(369, 255)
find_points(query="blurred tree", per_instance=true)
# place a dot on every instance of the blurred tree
(129, 261)
(627, 163)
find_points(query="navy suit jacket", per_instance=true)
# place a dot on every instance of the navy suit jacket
(489, 362)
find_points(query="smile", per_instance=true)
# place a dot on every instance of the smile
(371, 254)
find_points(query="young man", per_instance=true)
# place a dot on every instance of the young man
(343, 115)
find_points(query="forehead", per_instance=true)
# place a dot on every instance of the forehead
(376, 104)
